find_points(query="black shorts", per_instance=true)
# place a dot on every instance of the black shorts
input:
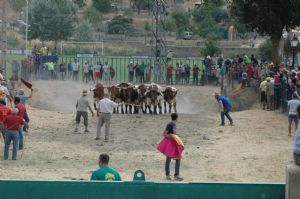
(263, 97)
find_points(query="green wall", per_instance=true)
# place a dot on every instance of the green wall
(137, 190)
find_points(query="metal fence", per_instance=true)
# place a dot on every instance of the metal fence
(120, 66)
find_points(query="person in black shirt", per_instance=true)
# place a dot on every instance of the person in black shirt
(171, 129)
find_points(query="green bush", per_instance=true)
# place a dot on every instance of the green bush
(92, 15)
(120, 25)
(170, 24)
(85, 32)
(182, 20)
(212, 47)
(103, 6)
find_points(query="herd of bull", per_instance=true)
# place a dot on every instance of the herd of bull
(139, 97)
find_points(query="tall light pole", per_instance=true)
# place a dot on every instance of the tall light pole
(3, 37)
(26, 34)
(294, 44)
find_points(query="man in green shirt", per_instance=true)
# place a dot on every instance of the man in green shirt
(142, 68)
(105, 173)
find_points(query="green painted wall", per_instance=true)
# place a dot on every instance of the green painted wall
(137, 190)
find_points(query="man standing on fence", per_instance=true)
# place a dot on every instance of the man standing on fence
(105, 109)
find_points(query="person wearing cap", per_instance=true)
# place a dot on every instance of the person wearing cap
(83, 103)
(4, 111)
(23, 97)
(131, 71)
(12, 125)
(225, 107)
(105, 109)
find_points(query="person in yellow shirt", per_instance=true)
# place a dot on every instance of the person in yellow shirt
(263, 89)
(50, 66)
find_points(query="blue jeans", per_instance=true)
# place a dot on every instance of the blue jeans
(21, 138)
(225, 113)
(11, 136)
(167, 166)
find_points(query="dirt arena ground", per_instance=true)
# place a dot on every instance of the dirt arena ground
(256, 149)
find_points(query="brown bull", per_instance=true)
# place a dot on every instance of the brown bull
(170, 98)
(115, 95)
(154, 98)
(98, 93)
(142, 97)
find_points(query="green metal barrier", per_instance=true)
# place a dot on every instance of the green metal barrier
(137, 190)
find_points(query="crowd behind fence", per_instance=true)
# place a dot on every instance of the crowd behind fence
(119, 69)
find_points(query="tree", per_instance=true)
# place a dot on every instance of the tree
(212, 47)
(170, 24)
(85, 32)
(182, 20)
(92, 15)
(208, 17)
(265, 49)
(141, 4)
(103, 6)
(52, 20)
(267, 17)
(120, 25)
(17, 5)
(80, 3)
(147, 26)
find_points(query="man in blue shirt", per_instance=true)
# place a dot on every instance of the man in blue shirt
(297, 142)
(225, 106)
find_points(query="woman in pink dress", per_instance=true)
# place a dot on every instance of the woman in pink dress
(171, 146)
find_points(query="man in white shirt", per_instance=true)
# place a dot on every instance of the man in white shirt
(292, 110)
(76, 67)
(106, 75)
(104, 112)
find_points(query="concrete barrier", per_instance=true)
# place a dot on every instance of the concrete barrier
(292, 188)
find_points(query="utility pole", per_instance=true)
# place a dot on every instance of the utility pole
(3, 37)
(159, 37)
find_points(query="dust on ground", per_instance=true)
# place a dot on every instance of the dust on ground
(257, 148)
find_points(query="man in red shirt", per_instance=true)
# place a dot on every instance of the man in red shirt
(170, 74)
(4, 111)
(12, 124)
(22, 113)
